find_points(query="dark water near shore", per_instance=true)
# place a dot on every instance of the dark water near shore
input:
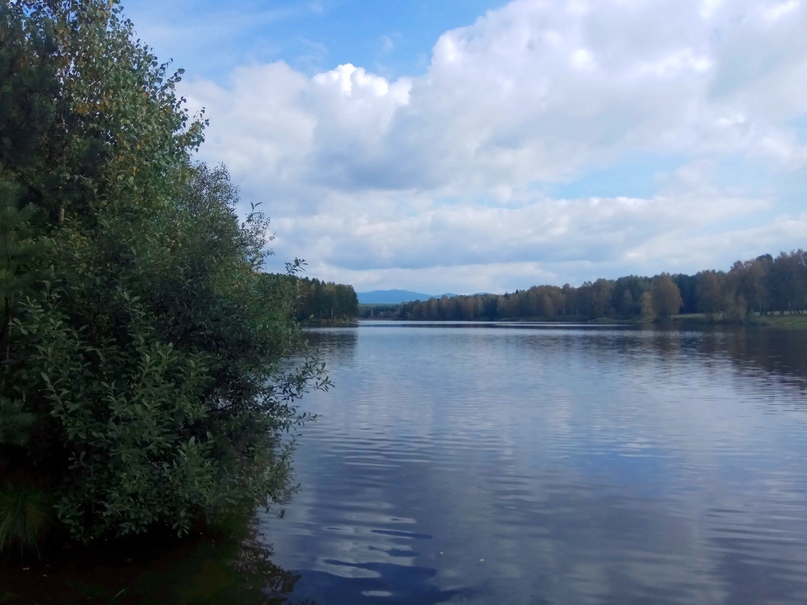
(524, 464)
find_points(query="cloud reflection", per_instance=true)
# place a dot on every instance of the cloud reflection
(573, 466)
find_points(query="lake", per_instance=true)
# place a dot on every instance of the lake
(516, 463)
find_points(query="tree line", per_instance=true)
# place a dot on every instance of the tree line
(759, 286)
(144, 374)
(324, 301)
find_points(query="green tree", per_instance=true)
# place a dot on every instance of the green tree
(709, 293)
(646, 304)
(666, 296)
(687, 285)
(788, 282)
(627, 295)
(96, 112)
(147, 354)
(748, 282)
(20, 253)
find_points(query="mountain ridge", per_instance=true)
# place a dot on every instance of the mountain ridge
(392, 297)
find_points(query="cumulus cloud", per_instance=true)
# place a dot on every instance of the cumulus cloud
(450, 173)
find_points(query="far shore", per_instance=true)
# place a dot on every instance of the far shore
(700, 319)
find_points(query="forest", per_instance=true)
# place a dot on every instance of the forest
(760, 286)
(324, 302)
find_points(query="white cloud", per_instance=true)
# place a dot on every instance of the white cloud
(450, 174)
(777, 11)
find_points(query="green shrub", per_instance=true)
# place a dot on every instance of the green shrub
(144, 355)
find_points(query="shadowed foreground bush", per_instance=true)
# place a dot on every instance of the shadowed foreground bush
(144, 356)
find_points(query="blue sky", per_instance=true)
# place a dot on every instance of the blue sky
(469, 146)
(390, 38)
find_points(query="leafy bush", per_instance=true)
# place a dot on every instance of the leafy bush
(145, 372)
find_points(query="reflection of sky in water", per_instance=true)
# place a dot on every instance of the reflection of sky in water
(549, 465)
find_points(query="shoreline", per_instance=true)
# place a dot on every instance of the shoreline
(790, 321)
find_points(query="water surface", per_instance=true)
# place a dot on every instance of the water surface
(534, 464)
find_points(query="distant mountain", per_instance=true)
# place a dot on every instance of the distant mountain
(391, 297)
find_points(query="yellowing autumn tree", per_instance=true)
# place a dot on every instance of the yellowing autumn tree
(665, 296)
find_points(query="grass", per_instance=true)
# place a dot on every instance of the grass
(785, 321)
(26, 513)
(695, 318)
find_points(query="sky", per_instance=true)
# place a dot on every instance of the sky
(487, 146)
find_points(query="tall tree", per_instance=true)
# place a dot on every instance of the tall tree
(709, 293)
(748, 282)
(687, 284)
(147, 357)
(666, 296)
(788, 282)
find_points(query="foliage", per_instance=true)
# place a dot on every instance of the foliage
(146, 379)
(20, 251)
(666, 296)
(379, 310)
(323, 301)
(760, 286)
(87, 112)
(709, 292)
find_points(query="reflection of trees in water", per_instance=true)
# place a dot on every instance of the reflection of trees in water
(254, 578)
(781, 352)
(665, 342)
(333, 342)
(205, 570)
(758, 350)
(773, 352)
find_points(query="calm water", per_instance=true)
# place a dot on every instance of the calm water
(493, 464)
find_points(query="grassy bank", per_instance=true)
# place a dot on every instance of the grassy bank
(783, 321)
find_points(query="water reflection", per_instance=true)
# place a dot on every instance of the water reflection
(548, 465)
(204, 570)
(331, 342)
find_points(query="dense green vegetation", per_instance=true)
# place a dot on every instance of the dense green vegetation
(321, 302)
(145, 380)
(759, 287)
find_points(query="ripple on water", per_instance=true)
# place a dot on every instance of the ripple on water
(551, 466)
